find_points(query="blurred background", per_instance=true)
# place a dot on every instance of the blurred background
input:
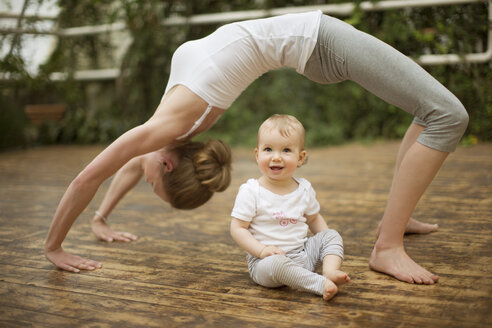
(85, 71)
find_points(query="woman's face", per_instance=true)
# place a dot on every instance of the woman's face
(156, 165)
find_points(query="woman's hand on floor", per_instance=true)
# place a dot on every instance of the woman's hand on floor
(104, 232)
(69, 262)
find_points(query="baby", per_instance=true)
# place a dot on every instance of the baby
(272, 214)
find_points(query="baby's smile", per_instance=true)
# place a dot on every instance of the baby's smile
(276, 168)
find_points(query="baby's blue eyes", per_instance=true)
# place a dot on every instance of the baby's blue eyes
(285, 150)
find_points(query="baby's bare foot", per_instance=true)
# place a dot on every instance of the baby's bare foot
(337, 276)
(329, 290)
(415, 226)
(395, 262)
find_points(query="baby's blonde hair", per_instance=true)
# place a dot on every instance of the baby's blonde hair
(287, 125)
(202, 170)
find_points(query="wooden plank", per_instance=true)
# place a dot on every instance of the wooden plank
(15, 317)
(151, 274)
(186, 271)
(81, 309)
(265, 310)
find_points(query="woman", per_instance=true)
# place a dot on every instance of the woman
(185, 176)
(207, 75)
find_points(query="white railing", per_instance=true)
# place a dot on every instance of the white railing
(343, 9)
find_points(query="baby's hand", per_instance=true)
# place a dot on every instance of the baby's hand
(271, 250)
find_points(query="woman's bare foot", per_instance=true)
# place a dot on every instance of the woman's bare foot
(395, 262)
(337, 276)
(329, 290)
(415, 226)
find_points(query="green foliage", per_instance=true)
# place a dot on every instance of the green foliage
(332, 114)
(148, 58)
(12, 122)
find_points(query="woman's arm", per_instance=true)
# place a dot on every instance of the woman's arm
(316, 223)
(124, 180)
(244, 238)
(174, 117)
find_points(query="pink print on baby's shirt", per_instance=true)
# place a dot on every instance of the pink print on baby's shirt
(283, 220)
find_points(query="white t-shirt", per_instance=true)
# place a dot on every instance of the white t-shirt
(277, 220)
(220, 66)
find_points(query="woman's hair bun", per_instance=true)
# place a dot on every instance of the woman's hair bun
(213, 165)
(202, 170)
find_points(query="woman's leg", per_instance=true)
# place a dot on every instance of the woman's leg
(417, 169)
(395, 78)
(413, 226)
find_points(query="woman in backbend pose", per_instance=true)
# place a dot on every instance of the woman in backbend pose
(208, 74)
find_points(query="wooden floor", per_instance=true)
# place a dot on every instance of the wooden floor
(186, 271)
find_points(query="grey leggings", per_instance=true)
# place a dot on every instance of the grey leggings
(296, 268)
(345, 53)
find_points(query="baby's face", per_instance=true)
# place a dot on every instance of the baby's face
(278, 156)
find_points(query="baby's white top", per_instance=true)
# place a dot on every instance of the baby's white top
(278, 220)
(220, 66)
